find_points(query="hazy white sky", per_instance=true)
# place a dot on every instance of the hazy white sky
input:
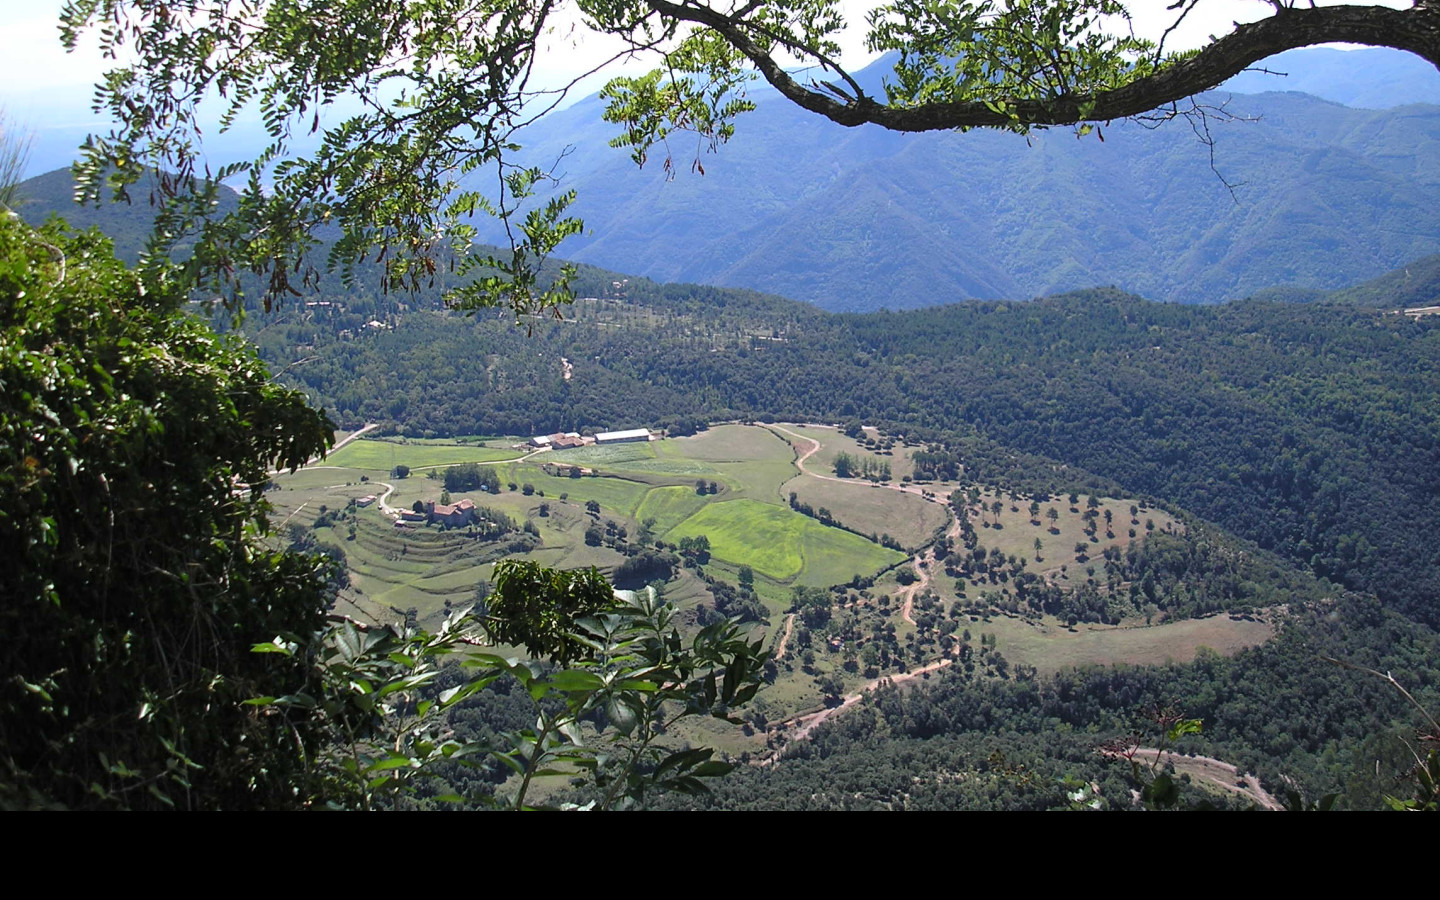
(33, 56)
(48, 89)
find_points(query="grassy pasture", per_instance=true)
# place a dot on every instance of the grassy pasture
(619, 495)
(602, 455)
(385, 455)
(724, 443)
(1052, 648)
(669, 506)
(680, 468)
(760, 535)
(908, 518)
(832, 556)
(833, 442)
(779, 543)
(752, 462)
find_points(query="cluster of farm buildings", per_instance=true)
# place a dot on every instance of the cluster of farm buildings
(455, 515)
(464, 512)
(569, 439)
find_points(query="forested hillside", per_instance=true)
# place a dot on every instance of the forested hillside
(1279, 710)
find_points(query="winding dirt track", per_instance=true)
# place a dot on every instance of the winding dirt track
(815, 447)
(1217, 772)
(800, 727)
(805, 724)
(922, 560)
(785, 638)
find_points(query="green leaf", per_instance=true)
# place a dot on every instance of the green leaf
(576, 680)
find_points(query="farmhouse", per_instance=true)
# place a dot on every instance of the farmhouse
(621, 437)
(453, 514)
(365, 500)
(558, 441)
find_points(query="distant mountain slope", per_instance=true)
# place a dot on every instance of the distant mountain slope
(1369, 78)
(127, 224)
(1416, 284)
(54, 194)
(859, 219)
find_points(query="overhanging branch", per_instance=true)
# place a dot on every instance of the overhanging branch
(1416, 29)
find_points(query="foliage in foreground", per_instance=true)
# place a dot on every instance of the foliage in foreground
(135, 578)
(627, 675)
(135, 444)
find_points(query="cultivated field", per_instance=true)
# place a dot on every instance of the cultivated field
(781, 544)
(858, 504)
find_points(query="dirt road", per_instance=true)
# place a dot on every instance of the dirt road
(801, 456)
(800, 727)
(1217, 772)
(785, 638)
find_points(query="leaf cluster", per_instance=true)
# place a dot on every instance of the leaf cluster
(135, 444)
(625, 674)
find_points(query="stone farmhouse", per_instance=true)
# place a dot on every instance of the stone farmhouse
(455, 515)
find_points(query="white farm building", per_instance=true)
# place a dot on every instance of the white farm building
(621, 437)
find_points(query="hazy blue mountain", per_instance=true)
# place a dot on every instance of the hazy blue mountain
(1412, 285)
(1371, 78)
(857, 219)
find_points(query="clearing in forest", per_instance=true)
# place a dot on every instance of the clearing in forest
(1051, 648)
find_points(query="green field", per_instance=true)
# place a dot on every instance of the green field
(605, 456)
(386, 455)
(619, 495)
(780, 543)
(752, 462)
(669, 506)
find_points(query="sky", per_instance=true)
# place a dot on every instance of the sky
(48, 91)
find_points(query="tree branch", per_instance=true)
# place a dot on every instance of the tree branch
(1416, 29)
